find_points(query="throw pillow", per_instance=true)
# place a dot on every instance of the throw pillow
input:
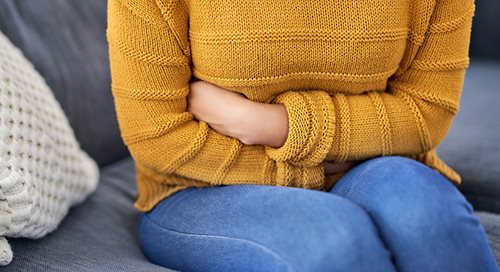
(43, 171)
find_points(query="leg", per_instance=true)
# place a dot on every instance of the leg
(425, 221)
(261, 228)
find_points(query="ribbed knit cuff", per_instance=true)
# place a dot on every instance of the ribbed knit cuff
(311, 127)
(300, 176)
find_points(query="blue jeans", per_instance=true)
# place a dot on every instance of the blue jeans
(386, 214)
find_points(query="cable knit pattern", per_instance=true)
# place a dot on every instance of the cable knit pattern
(356, 84)
(43, 171)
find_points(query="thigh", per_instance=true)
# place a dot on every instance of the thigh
(423, 218)
(261, 228)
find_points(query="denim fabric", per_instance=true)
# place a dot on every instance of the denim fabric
(426, 223)
(386, 214)
(261, 228)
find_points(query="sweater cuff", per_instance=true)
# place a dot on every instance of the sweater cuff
(311, 127)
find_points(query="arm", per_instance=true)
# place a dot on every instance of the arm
(411, 117)
(149, 56)
(236, 116)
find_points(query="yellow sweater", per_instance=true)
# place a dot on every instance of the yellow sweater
(359, 79)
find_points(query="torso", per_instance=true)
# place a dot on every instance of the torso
(336, 46)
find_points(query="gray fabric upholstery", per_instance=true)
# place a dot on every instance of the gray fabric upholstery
(97, 235)
(100, 234)
(66, 42)
(472, 146)
(491, 223)
(65, 39)
(485, 38)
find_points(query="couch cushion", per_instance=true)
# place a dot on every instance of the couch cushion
(491, 223)
(472, 146)
(485, 39)
(66, 42)
(98, 235)
(101, 233)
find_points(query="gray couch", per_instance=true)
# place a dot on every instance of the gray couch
(65, 39)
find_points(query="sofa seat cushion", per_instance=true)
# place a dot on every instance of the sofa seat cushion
(101, 233)
(97, 235)
(491, 223)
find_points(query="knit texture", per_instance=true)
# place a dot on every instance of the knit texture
(359, 79)
(43, 171)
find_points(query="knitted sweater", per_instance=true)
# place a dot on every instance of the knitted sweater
(359, 79)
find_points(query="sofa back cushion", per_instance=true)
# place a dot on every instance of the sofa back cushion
(485, 39)
(66, 42)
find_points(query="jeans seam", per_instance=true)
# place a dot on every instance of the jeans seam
(263, 247)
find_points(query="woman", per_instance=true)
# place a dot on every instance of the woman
(295, 135)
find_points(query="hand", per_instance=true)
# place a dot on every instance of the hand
(266, 125)
(221, 109)
(234, 115)
(332, 167)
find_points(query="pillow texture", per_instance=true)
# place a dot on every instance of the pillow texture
(43, 171)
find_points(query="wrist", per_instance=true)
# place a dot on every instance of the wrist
(264, 124)
(275, 124)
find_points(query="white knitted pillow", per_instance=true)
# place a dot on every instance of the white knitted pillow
(43, 171)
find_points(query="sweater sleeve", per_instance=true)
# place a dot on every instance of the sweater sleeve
(150, 69)
(410, 117)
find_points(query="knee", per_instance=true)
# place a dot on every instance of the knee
(414, 185)
(407, 195)
(399, 179)
(396, 169)
(350, 226)
(349, 239)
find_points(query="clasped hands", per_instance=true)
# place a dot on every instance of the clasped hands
(234, 115)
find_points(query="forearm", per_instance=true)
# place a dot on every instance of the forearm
(251, 122)
(265, 124)
(410, 117)
(234, 115)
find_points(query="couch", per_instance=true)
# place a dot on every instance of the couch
(65, 40)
